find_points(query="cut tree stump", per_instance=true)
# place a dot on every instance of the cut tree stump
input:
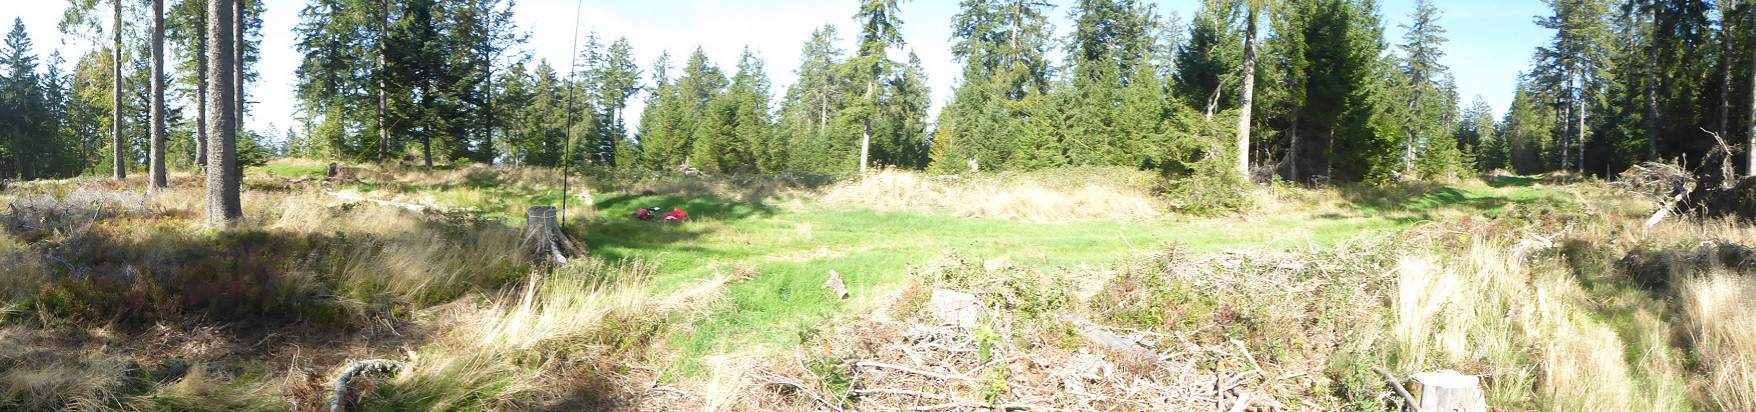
(543, 238)
(1448, 391)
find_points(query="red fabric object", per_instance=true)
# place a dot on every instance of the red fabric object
(676, 214)
(642, 214)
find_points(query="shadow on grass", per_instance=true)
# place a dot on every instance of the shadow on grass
(1418, 197)
(1512, 181)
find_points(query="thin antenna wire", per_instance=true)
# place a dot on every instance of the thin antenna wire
(572, 72)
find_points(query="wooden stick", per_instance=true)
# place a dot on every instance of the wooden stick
(779, 380)
(881, 391)
(1397, 385)
(940, 376)
(1243, 402)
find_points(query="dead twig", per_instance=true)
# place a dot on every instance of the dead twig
(774, 379)
(939, 376)
(1395, 384)
(901, 392)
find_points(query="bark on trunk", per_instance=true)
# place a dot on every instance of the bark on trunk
(1566, 132)
(120, 169)
(383, 89)
(866, 134)
(238, 67)
(1652, 103)
(1247, 95)
(157, 168)
(1725, 78)
(223, 207)
(1750, 154)
(201, 96)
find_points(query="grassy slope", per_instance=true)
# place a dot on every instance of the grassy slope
(785, 253)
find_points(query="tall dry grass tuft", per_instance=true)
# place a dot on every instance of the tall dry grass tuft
(200, 390)
(1488, 311)
(593, 307)
(1034, 197)
(1723, 330)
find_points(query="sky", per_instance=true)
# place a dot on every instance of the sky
(1490, 41)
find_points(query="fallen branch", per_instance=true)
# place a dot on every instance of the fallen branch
(939, 376)
(1243, 402)
(344, 394)
(780, 380)
(904, 392)
(973, 405)
(1388, 377)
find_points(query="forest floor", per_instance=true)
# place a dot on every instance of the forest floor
(1074, 289)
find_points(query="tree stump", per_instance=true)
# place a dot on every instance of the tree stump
(1448, 391)
(543, 238)
(333, 169)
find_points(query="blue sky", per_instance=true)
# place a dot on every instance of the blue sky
(1490, 40)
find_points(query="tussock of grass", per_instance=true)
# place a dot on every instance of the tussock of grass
(1017, 196)
(1545, 340)
(1723, 329)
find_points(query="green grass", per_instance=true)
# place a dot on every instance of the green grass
(293, 171)
(786, 255)
(780, 256)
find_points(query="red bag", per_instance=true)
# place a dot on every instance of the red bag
(676, 214)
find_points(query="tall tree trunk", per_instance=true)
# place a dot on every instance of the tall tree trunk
(201, 46)
(1247, 95)
(383, 88)
(866, 135)
(1750, 155)
(238, 35)
(488, 145)
(1652, 99)
(1579, 145)
(156, 170)
(121, 164)
(223, 207)
(1725, 78)
(1567, 130)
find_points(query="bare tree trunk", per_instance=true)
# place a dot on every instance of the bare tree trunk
(156, 170)
(223, 207)
(866, 135)
(121, 164)
(1579, 145)
(238, 35)
(1725, 78)
(1750, 155)
(1567, 132)
(488, 145)
(1652, 101)
(201, 46)
(383, 88)
(1247, 95)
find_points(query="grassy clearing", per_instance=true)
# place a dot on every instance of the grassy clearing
(1553, 291)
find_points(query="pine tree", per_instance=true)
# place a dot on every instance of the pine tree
(871, 63)
(1424, 74)
(1003, 48)
(813, 105)
(24, 112)
(1571, 65)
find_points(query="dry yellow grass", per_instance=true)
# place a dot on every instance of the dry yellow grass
(1532, 328)
(1723, 329)
(1019, 197)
